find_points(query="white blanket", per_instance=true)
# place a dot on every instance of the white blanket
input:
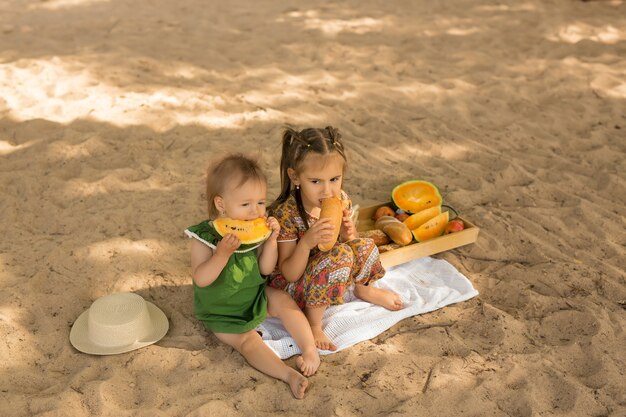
(424, 284)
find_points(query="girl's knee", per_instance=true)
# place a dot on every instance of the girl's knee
(239, 341)
(342, 250)
(276, 295)
(249, 342)
(279, 301)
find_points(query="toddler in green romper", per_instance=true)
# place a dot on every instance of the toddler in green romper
(235, 302)
(230, 295)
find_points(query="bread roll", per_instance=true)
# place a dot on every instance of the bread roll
(378, 236)
(387, 248)
(395, 229)
(332, 208)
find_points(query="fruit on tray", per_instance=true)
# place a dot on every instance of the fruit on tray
(383, 211)
(414, 196)
(395, 229)
(421, 212)
(416, 220)
(401, 216)
(432, 228)
(453, 226)
(248, 231)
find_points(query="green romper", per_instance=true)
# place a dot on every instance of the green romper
(235, 302)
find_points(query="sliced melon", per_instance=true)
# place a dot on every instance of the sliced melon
(432, 228)
(416, 220)
(415, 196)
(248, 231)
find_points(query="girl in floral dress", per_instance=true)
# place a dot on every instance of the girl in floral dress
(312, 168)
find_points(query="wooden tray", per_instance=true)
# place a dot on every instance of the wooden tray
(416, 250)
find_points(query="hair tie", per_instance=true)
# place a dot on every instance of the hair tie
(308, 145)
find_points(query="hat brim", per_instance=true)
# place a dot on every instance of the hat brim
(80, 340)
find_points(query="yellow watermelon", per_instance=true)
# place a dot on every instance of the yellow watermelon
(248, 231)
(432, 228)
(416, 220)
(415, 196)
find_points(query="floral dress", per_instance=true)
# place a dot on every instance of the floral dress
(328, 274)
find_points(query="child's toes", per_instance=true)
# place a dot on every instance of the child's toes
(300, 362)
(307, 370)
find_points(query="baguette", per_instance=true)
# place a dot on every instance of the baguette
(332, 208)
(395, 229)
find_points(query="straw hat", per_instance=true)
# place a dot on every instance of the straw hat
(118, 323)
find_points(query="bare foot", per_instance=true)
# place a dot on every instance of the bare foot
(379, 296)
(308, 362)
(321, 340)
(297, 383)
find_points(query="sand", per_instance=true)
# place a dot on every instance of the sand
(110, 111)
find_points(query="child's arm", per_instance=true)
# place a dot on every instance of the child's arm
(206, 266)
(269, 251)
(348, 231)
(293, 257)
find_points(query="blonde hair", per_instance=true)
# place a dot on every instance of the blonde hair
(230, 168)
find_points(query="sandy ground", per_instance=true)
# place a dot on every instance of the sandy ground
(111, 110)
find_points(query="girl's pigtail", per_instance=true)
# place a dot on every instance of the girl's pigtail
(298, 147)
(292, 143)
(334, 137)
(301, 210)
(331, 133)
(289, 137)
